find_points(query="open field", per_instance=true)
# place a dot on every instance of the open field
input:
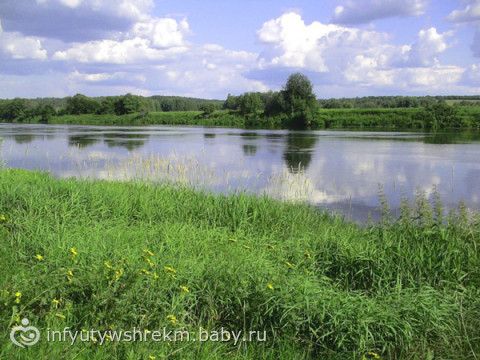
(111, 255)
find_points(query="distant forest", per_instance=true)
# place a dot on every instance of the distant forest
(295, 106)
(159, 103)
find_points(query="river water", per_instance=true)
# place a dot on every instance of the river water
(338, 170)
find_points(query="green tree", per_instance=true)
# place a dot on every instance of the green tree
(208, 109)
(274, 104)
(107, 106)
(250, 104)
(81, 104)
(128, 104)
(232, 102)
(300, 101)
(45, 112)
(446, 116)
(13, 110)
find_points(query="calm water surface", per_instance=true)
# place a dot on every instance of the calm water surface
(339, 170)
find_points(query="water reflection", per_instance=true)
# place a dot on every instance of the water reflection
(23, 138)
(298, 151)
(337, 170)
(82, 141)
(129, 141)
(249, 149)
(455, 138)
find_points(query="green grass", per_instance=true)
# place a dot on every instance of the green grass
(400, 118)
(220, 118)
(321, 288)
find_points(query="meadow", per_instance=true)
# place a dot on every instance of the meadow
(114, 255)
(393, 119)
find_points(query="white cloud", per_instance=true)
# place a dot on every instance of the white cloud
(428, 45)
(357, 12)
(102, 78)
(136, 50)
(74, 20)
(471, 77)
(206, 71)
(155, 39)
(347, 55)
(471, 13)
(162, 32)
(297, 44)
(18, 46)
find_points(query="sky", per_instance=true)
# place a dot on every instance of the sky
(210, 48)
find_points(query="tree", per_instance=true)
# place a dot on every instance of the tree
(232, 102)
(81, 104)
(167, 106)
(250, 104)
(300, 101)
(45, 112)
(208, 109)
(128, 104)
(107, 106)
(446, 116)
(13, 110)
(274, 104)
(439, 116)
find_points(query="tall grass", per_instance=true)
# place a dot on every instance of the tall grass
(111, 255)
(395, 118)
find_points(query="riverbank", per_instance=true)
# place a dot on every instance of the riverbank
(109, 255)
(393, 119)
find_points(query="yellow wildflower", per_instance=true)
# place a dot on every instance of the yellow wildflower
(151, 357)
(270, 286)
(169, 269)
(148, 252)
(60, 316)
(55, 302)
(18, 297)
(155, 276)
(73, 252)
(371, 355)
(145, 272)
(172, 319)
(150, 262)
(69, 275)
(109, 337)
(118, 274)
(184, 289)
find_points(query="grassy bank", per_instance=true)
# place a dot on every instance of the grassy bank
(400, 118)
(109, 255)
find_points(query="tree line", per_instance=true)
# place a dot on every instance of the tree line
(295, 106)
(19, 109)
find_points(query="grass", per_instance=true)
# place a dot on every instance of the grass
(397, 118)
(220, 118)
(113, 255)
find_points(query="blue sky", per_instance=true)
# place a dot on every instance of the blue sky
(211, 48)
